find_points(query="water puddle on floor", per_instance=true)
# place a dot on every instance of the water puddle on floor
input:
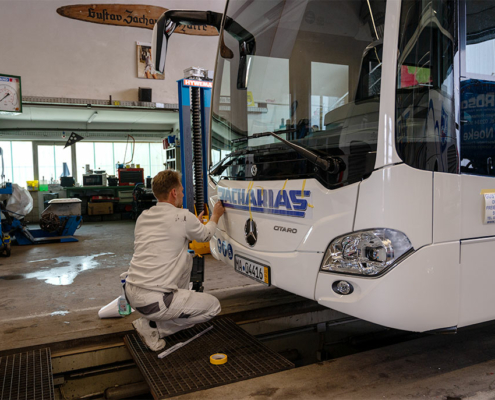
(59, 313)
(65, 275)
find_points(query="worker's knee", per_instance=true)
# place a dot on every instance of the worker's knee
(215, 308)
(211, 305)
(204, 304)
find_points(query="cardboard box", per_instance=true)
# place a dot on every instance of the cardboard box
(100, 208)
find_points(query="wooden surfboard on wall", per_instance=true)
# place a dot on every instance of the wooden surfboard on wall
(134, 15)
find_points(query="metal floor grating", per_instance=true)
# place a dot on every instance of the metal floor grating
(188, 369)
(27, 376)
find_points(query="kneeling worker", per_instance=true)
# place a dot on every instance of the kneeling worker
(159, 274)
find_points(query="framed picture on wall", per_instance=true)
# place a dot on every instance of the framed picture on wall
(145, 64)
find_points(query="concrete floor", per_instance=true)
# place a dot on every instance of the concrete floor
(52, 292)
(443, 367)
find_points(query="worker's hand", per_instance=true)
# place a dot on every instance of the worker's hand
(200, 216)
(218, 211)
(218, 208)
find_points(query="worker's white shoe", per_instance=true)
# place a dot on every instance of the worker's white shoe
(148, 335)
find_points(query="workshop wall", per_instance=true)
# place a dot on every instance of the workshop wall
(62, 57)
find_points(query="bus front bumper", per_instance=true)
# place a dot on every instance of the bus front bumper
(419, 294)
(294, 271)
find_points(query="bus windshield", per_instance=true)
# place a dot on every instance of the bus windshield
(307, 70)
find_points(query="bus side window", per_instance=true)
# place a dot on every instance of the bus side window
(478, 91)
(425, 125)
(477, 124)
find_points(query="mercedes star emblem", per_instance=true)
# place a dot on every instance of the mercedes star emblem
(254, 170)
(251, 232)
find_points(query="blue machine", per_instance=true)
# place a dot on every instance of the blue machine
(62, 232)
(7, 189)
(58, 224)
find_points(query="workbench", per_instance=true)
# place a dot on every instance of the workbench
(88, 191)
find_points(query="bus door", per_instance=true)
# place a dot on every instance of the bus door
(477, 154)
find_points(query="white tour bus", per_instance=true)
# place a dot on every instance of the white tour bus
(352, 145)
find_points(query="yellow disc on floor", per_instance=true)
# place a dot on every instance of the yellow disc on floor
(218, 358)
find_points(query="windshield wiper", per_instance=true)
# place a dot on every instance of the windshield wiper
(332, 165)
(259, 135)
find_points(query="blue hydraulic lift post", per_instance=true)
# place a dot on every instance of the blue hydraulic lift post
(186, 145)
(205, 136)
(186, 148)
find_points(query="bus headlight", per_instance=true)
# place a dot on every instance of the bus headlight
(367, 253)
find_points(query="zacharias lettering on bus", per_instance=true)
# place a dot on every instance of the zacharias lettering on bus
(293, 203)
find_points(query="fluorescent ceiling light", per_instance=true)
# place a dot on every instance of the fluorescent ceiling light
(93, 116)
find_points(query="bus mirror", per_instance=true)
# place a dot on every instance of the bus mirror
(247, 47)
(159, 43)
(166, 25)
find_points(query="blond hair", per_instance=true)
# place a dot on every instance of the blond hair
(163, 183)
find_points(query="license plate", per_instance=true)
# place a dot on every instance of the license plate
(258, 272)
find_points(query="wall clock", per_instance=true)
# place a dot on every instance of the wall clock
(10, 94)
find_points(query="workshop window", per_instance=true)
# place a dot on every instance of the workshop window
(122, 152)
(142, 157)
(51, 158)
(157, 157)
(23, 166)
(150, 156)
(105, 155)
(7, 159)
(18, 161)
(85, 154)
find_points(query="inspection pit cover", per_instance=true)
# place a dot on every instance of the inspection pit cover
(27, 376)
(188, 369)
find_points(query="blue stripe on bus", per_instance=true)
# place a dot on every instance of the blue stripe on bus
(266, 210)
